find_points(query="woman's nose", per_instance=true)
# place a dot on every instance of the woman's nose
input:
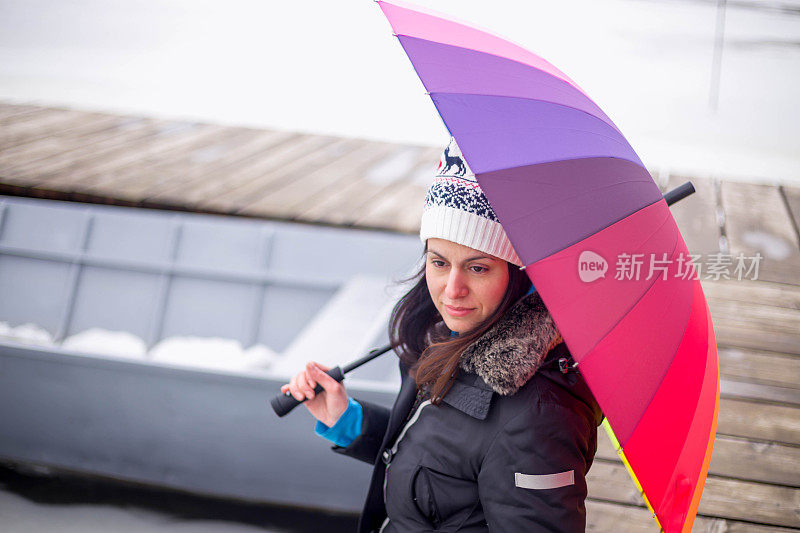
(456, 288)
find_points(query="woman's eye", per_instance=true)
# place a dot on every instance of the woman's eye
(478, 269)
(437, 263)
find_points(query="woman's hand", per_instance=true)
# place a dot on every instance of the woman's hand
(328, 405)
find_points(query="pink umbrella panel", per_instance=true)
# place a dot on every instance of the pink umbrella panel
(566, 185)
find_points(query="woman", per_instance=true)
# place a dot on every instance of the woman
(491, 430)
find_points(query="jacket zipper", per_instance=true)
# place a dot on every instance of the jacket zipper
(393, 451)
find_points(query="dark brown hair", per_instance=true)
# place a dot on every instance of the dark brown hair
(418, 334)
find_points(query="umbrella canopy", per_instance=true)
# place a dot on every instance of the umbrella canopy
(598, 242)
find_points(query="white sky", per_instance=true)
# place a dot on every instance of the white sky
(334, 67)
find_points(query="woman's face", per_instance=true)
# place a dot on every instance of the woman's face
(466, 285)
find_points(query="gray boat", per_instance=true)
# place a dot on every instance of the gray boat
(299, 292)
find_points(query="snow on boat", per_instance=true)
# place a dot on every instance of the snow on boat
(145, 345)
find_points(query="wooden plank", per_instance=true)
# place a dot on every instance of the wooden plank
(738, 458)
(343, 198)
(759, 421)
(135, 140)
(25, 123)
(36, 125)
(608, 517)
(718, 525)
(755, 391)
(299, 192)
(767, 462)
(293, 186)
(206, 181)
(349, 201)
(49, 141)
(602, 517)
(756, 292)
(289, 161)
(760, 367)
(757, 220)
(756, 502)
(119, 139)
(772, 318)
(751, 325)
(14, 117)
(735, 308)
(401, 209)
(696, 215)
(77, 121)
(332, 185)
(55, 142)
(762, 503)
(136, 179)
(730, 334)
(393, 209)
(176, 147)
(11, 112)
(255, 177)
(88, 174)
(791, 197)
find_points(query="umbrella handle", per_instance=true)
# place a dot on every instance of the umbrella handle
(679, 193)
(283, 404)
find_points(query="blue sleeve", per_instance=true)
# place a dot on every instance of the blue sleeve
(346, 429)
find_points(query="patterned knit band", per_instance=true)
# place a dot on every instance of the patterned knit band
(457, 210)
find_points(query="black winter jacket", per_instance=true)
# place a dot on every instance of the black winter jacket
(507, 450)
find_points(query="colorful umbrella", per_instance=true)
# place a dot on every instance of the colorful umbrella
(598, 242)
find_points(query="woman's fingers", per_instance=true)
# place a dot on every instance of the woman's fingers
(320, 365)
(335, 394)
(304, 386)
(328, 405)
(317, 372)
(294, 388)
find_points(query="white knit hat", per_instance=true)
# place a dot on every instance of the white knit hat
(457, 210)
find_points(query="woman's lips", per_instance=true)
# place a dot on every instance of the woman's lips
(458, 311)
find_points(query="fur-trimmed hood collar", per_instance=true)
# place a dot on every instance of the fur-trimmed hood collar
(509, 354)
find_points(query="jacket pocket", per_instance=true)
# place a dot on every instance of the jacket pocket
(442, 498)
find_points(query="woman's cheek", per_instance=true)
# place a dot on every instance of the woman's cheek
(499, 290)
(435, 291)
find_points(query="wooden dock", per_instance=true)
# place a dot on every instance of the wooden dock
(754, 479)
